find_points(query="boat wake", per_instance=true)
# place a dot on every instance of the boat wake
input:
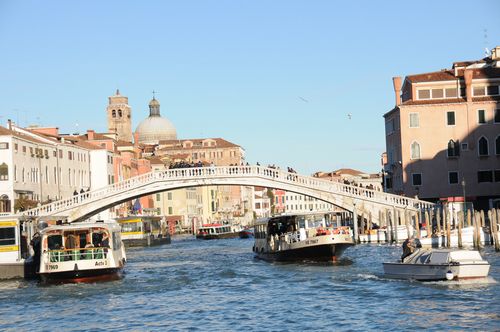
(464, 283)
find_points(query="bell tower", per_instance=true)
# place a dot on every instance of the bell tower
(120, 117)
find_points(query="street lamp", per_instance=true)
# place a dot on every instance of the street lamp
(463, 188)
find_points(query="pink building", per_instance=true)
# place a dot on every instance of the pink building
(443, 135)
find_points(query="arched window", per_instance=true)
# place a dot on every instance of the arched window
(497, 145)
(453, 148)
(119, 113)
(113, 113)
(5, 203)
(4, 172)
(483, 146)
(415, 150)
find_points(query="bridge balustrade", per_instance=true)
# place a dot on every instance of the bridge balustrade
(275, 175)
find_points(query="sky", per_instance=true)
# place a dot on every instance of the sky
(301, 84)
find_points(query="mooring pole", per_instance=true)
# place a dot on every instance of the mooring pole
(355, 235)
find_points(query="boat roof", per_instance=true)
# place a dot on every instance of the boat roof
(80, 226)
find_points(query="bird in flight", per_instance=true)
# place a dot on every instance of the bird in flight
(303, 99)
(349, 116)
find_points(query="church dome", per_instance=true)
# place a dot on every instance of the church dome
(155, 127)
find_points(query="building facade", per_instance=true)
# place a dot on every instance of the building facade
(443, 135)
(38, 166)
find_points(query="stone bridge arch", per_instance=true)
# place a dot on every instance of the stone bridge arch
(364, 201)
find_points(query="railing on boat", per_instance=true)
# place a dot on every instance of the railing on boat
(64, 255)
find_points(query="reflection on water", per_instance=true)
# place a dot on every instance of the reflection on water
(218, 285)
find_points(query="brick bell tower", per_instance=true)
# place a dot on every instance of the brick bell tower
(120, 117)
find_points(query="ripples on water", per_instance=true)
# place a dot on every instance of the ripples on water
(218, 285)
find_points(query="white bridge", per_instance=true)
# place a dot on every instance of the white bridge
(358, 200)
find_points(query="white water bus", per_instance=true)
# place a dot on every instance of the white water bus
(301, 237)
(81, 252)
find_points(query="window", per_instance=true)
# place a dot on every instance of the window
(119, 113)
(113, 113)
(415, 150)
(424, 94)
(478, 90)
(484, 176)
(483, 146)
(497, 175)
(16, 146)
(451, 93)
(24, 149)
(497, 116)
(4, 145)
(4, 172)
(481, 117)
(7, 236)
(170, 211)
(497, 146)
(450, 118)
(465, 146)
(4, 204)
(416, 179)
(158, 197)
(169, 196)
(453, 177)
(389, 126)
(414, 123)
(453, 148)
(492, 90)
(437, 93)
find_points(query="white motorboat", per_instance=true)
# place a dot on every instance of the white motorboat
(439, 264)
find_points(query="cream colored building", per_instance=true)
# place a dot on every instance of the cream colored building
(39, 165)
(443, 135)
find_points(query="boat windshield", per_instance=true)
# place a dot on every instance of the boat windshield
(77, 244)
(131, 227)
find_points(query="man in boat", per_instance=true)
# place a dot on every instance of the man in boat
(409, 246)
(407, 249)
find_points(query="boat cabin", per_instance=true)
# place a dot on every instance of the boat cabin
(74, 244)
(212, 229)
(143, 230)
(10, 241)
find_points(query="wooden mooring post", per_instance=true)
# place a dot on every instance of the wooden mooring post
(396, 224)
(460, 223)
(438, 220)
(447, 221)
(389, 226)
(494, 216)
(355, 233)
(428, 222)
(417, 224)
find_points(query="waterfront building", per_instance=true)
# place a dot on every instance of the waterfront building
(261, 202)
(443, 135)
(38, 166)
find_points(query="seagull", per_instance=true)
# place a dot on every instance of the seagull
(304, 100)
(349, 116)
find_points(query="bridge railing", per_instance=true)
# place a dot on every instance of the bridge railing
(276, 175)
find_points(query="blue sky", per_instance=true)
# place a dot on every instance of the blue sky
(278, 78)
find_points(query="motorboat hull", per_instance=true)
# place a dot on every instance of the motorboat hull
(430, 272)
(78, 276)
(319, 253)
(217, 236)
(245, 234)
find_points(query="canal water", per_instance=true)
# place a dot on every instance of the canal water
(218, 286)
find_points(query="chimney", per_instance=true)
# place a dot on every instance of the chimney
(396, 81)
(90, 134)
(9, 124)
(468, 84)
